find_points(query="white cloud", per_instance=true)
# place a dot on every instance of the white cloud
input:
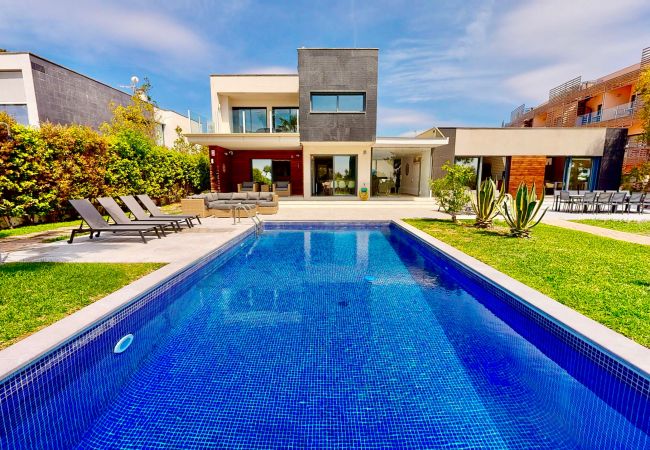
(95, 28)
(509, 53)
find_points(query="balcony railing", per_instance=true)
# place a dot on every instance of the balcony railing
(624, 110)
(200, 124)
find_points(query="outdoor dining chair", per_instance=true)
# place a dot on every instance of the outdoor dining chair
(604, 201)
(636, 200)
(618, 200)
(588, 202)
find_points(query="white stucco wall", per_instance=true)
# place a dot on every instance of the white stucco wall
(171, 120)
(15, 90)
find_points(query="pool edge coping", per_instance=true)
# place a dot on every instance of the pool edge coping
(621, 348)
(22, 354)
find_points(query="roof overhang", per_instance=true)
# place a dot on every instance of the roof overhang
(410, 142)
(248, 141)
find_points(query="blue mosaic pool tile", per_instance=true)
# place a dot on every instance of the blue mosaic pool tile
(338, 336)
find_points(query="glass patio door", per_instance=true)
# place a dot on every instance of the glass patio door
(334, 175)
(345, 175)
(579, 175)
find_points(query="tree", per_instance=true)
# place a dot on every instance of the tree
(183, 146)
(138, 116)
(451, 191)
(643, 91)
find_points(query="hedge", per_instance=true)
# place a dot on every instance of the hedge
(40, 169)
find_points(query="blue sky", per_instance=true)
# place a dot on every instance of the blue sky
(440, 63)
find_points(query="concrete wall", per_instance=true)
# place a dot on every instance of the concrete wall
(529, 141)
(65, 97)
(337, 70)
(18, 90)
(443, 154)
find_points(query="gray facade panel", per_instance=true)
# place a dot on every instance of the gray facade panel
(443, 154)
(338, 70)
(65, 97)
(611, 164)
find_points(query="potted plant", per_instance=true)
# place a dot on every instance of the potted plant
(363, 192)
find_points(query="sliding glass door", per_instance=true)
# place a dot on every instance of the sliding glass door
(334, 175)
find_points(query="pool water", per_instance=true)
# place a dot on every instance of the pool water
(354, 338)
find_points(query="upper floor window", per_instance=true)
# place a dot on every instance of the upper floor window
(338, 102)
(18, 112)
(285, 120)
(249, 120)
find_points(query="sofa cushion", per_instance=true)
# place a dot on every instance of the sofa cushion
(212, 196)
(250, 202)
(267, 204)
(235, 202)
(224, 195)
(219, 205)
(282, 185)
(252, 195)
(266, 196)
(238, 196)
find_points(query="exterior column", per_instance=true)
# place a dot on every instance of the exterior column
(215, 179)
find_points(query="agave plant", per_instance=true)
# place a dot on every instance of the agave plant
(521, 212)
(486, 203)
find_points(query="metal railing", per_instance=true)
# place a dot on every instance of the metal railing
(624, 110)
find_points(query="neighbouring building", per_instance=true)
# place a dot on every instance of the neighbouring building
(610, 101)
(35, 90)
(317, 130)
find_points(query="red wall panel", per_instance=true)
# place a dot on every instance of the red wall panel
(236, 168)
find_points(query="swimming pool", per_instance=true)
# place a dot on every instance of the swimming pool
(318, 336)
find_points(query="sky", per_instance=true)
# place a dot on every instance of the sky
(441, 63)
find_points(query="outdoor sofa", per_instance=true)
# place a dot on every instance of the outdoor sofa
(221, 204)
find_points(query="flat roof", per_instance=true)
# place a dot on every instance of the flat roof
(66, 68)
(338, 48)
(254, 74)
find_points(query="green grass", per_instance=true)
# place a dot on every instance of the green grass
(34, 295)
(605, 279)
(631, 226)
(36, 228)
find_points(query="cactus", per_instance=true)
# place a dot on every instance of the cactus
(520, 213)
(486, 203)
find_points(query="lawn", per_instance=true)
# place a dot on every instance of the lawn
(37, 228)
(34, 295)
(602, 278)
(631, 226)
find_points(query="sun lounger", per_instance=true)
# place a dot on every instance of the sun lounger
(140, 214)
(156, 212)
(120, 218)
(97, 224)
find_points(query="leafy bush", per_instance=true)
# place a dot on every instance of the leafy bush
(637, 179)
(486, 203)
(40, 169)
(451, 191)
(520, 213)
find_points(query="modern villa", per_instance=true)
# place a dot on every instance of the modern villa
(317, 130)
